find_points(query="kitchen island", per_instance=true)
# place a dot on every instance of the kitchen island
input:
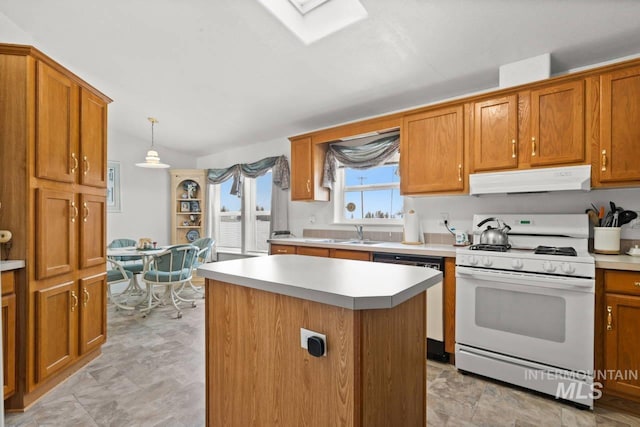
(373, 372)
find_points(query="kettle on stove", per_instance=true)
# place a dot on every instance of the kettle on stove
(494, 236)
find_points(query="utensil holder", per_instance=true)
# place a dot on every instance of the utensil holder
(606, 240)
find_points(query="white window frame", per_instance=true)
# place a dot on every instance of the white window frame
(339, 191)
(248, 242)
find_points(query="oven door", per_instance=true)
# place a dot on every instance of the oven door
(547, 319)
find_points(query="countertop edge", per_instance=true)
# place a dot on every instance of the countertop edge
(617, 262)
(12, 265)
(387, 247)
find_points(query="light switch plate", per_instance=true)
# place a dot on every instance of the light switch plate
(306, 333)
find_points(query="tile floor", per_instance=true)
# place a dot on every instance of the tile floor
(151, 373)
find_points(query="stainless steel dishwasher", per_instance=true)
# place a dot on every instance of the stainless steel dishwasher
(435, 312)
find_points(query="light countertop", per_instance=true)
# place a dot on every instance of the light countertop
(356, 285)
(12, 264)
(617, 262)
(389, 247)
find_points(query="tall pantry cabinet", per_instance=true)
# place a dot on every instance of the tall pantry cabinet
(53, 192)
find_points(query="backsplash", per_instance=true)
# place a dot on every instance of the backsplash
(383, 236)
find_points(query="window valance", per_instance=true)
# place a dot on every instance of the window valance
(279, 166)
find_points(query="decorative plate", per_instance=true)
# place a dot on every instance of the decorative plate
(193, 235)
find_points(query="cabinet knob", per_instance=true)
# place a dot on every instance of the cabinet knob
(75, 300)
(513, 148)
(86, 212)
(308, 186)
(86, 296)
(603, 167)
(609, 318)
(74, 210)
(85, 162)
(74, 159)
(533, 146)
(460, 172)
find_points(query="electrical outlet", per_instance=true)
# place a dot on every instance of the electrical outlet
(444, 216)
(636, 222)
(305, 334)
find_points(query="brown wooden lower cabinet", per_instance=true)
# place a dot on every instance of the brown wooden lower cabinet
(282, 249)
(9, 333)
(348, 254)
(312, 251)
(617, 344)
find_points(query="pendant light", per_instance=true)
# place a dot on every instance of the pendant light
(152, 160)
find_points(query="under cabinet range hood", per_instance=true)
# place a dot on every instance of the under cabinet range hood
(532, 180)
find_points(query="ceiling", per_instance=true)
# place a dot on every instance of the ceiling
(226, 73)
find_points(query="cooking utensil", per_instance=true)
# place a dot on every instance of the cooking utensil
(626, 217)
(494, 236)
(593, 217)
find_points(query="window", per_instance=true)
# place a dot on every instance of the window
(241, 224)
(369, 195)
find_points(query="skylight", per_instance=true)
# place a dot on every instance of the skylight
(311, 20)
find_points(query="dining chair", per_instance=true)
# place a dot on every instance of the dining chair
(171, 270)
(133, 264)
(115, 275)
(205, 246)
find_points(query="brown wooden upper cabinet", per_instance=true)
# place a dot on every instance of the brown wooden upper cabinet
(495, 134)
(432, 152)
(619, 149)
(557, 125)
(307, 159)
(71, 138)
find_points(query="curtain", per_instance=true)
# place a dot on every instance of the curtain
(280, 175)
(359, 157)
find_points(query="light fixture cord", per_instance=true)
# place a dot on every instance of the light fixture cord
(152, 124)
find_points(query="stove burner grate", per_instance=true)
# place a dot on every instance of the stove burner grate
(488, 247)
(552, 250)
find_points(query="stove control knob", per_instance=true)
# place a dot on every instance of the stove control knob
(517, 264)
(473, 260)
(567, 268)
(486, 261)
(548, 267)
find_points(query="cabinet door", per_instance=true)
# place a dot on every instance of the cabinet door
(56, 218)
(619, 130)
(431, 152)
(93, 246)
(301, 169)
(310, 251)
(282, 249)
(9, 343)
(56, 126)
(93, 312)
(93, 140)
(348, 254)
(621, 342)
(557, 125)
(56, 328)
(495, 134)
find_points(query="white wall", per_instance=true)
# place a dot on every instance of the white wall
(11, 33)
(145, 193)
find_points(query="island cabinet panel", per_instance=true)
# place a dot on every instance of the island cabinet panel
(495, 134)
(432, 152)
(373, 373)
(619, 131)
(557, 125)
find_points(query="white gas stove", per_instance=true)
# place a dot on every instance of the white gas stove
(526, 317)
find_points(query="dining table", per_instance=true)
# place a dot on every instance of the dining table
(134, 289)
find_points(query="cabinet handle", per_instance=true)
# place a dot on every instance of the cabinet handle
(460, 172)
(609, 318)
(604, 161)
(533, 146)
(86, 296)
(75, 212)
(75, 163)
(513, 148)
(75, 300)
(86, 212)
(636, 284)
(308, 186)
(85, 162)
(281, 251)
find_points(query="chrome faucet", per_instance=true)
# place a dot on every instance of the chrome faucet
(360, 232)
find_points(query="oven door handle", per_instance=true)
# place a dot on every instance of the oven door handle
(531, 279)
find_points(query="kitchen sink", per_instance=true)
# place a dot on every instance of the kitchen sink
(361, 242)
